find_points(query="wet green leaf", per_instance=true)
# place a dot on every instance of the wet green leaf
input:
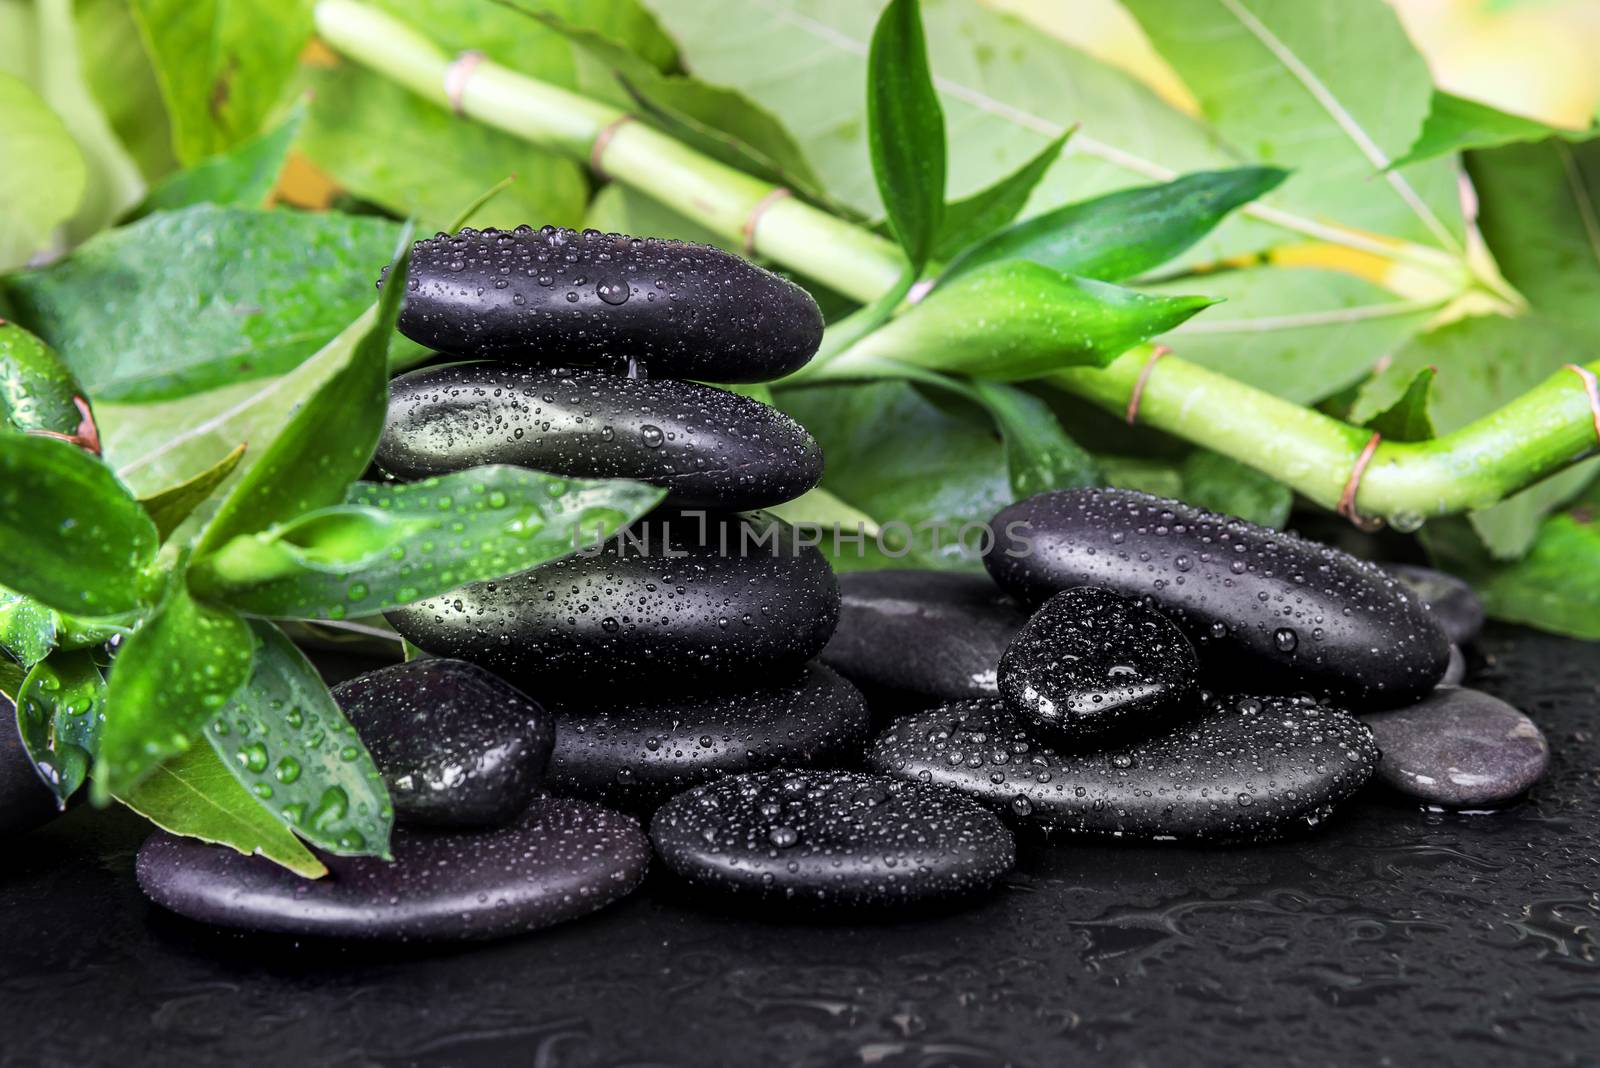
(37, 390)
(27, 628)
(60, 710)
(905, 130)
(44, 175)
(1225, 485)
(1407, 419)
(1039, 454)
(240, 177)
(974, 217)
(169, 508)
(1456, 124)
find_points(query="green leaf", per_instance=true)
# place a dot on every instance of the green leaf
(169, 508)
(186, 301)
(1222, 484)
(286, 741)
(330, 440)
(905, 128)
(1016, 319)
(974, 217)
(27, 628)
(1039, 454)
(1456, 124)
(74, 537)
(240, 177)
(619, 209)
(171, 678)
(223, 65)
(1121, 235)
(44, 175)
(471, 526)
(123, 82)
(61, 710)
(11, 678)
(193, 794)
(1407, 419)
(37, 390)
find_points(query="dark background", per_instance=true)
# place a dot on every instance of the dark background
(1395, 936)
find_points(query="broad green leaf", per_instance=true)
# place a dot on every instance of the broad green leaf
(286, 741)
(1016, 319)
(170, 679)
(1122, 235)
(43, 178)
(617, 208)
(61, 710)
(1039, 454)
(1456, 124)
(1223, 484)
(905, 130)
(187, 301)
(1407, 419)
(123, 83)
(223, 65)
(975, 217)
(193, 794)
(331, 437)
(1556, 586)
(472, 526)
(74, 536)
(169, 508)
(240, 177)
(27, 628)
(37, 390)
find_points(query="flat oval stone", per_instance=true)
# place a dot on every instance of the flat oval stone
(937, 634)
(1453, 603)
(25, 801)
(1254, 769)
(831, 840)
(634, 753)
(1460, 748)
(457, 745)
(1264, 608)
(1090, 666)
(707, 447)
(668, 612)
(560, 860)
(558, 297)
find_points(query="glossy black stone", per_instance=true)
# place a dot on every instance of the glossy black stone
(1453, 603)
(1460, 748)
(831, 840)
(935, 634)
(1267, 611)
(559, 297)
(457, 745)
(670, 612)
(1091, 665)
(1252, 769)
(25, 801)
(635, 753)
(560, 860)
(707, 447)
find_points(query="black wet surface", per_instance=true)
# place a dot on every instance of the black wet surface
(1394, 936)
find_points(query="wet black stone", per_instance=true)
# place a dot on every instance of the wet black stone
(935, 634)
(558, 297)
(562, 859)
(1453, 603)
(25, 801)
(1265, 609)
(831, 840)
(457, 745)
(632, 617)
(1091, 665)
(1252, 769)
(707, 447)
(1460, 748)
(635, 753)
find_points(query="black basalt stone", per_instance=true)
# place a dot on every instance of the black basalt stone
(635, 753)
(707, 447)
(560, 860)
(25, 801)
(1091, 665)
(1459, 748)
(1453, 603)
(669, 611)
(831, 840)
(936, 634)
(1265, 609)
(558, 297)
(1251, 769)
(457, 745)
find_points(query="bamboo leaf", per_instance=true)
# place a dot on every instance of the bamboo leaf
(61, 709)
(169, 508)
(974, 217)
(1407, 419)
(905, 128)
(37, 390)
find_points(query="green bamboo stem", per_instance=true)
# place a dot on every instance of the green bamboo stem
(1534, 436)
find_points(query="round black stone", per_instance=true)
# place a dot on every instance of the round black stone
(636, 752)
(1459, 748)
(1266, 610)
(457, 745)
(560, 860)
(707, 447)
(1091, 665)
(669, 612)
(1453, 603)
(25, 801)
(1252, 769)
(831, 840)
(935, 634)
(558, 297)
